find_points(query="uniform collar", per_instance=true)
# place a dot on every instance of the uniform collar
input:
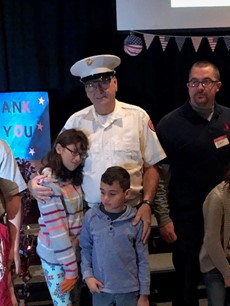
(116, 114)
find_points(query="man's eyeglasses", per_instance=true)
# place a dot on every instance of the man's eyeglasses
(103, 83)
(205, 82)
(76, 153)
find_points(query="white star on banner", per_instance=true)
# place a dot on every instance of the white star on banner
(41, 101)
(39, 126)
(31, 151)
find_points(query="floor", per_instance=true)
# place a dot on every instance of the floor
(37, 293)
(202, 303)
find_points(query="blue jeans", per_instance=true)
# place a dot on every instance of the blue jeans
(217, 294)
(121, 299)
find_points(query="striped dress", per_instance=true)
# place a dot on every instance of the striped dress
(60, 224)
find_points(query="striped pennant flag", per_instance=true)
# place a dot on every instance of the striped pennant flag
(164, 41)
(133, 45)
(227, 42)
(212, 42)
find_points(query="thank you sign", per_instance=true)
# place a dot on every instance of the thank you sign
(24, 123)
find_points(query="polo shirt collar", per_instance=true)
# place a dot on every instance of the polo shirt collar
(191, 113)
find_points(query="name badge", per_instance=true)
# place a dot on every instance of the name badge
(221, 141)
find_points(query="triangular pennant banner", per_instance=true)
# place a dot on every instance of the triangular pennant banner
(180, 41)
(196, 42)
(148, 39)
(130, 45)
(227, 42)
(164, 41)
(212, 42)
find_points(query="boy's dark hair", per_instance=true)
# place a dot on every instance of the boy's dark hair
(53, 160)
(116, 174)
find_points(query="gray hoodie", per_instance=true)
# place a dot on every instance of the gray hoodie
(113, 252)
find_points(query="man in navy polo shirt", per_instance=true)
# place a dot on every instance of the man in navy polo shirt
(195, 138)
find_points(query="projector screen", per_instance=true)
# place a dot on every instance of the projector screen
(172, 14)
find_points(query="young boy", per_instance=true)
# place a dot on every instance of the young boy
(114, 260)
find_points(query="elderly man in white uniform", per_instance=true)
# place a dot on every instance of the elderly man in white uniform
(119, 134)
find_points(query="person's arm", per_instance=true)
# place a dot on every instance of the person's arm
(227, 281)
(13, 219)
(144, 213)
(143, 268)
(11, 185)
(13, 215)
(161, 207)
(86, 245)
(38, 191)
(213, 212)
(150, 182)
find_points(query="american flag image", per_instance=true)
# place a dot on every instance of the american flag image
(133, 45)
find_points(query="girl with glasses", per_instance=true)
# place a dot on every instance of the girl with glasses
(61, 217)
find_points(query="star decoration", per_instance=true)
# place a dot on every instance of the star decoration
(31, 151)
(41, 101)
(40, 126)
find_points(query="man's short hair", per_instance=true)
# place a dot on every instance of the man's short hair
(202, 64)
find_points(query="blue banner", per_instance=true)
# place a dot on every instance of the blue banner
(24, 123)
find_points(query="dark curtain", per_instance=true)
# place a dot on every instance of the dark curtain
(41, 40)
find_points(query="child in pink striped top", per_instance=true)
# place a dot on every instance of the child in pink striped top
(61, 217)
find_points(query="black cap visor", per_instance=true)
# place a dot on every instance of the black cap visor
(97, 76)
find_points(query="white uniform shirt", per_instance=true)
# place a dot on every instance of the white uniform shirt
(125, 139)
(11, 181)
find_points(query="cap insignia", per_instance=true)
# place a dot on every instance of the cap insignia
(89, 61)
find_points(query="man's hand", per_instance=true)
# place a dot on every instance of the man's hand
(93, 284)
(144, 213)
(143, 300)
(39, 192)
(68, 284)
(227, 281)
(168, 233)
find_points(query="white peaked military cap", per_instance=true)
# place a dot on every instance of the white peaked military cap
(93, 67)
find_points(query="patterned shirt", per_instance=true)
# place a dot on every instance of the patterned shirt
(60, 224)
